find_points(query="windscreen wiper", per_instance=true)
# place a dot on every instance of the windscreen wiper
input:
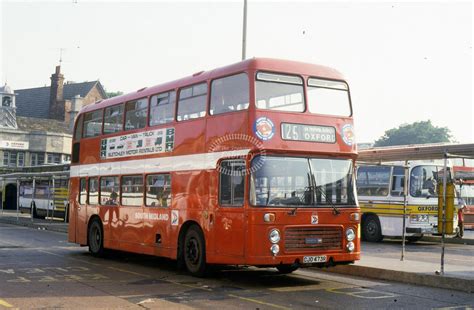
(302, 199)
(335, 210)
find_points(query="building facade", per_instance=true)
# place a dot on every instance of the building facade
(36, 126)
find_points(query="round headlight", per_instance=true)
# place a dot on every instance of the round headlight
(275, 249)
(350, 234)
(350, 246)
(274, 236)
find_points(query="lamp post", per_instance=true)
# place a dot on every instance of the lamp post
(244, 31)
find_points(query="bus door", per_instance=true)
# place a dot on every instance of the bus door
(423, 195)
(230, 213)
(130, 210)
(88, 193)
(396, 200)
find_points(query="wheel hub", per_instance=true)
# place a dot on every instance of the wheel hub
(192, 251)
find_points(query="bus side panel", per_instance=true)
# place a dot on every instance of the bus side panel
(192, 201)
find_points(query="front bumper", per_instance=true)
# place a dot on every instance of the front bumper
(297, 259)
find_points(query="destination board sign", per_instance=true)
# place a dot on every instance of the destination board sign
(309, 133)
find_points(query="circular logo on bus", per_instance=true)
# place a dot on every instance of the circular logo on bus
(264, 128)
(347, 134)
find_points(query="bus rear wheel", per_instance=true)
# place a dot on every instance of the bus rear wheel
(371, 229)
(195, 252)
(95, 237)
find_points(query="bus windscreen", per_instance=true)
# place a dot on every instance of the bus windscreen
(296, 181)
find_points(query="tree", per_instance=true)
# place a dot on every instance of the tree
(416, 133)
(113, 93)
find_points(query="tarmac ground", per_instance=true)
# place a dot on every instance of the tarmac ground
(421, 264)
(39, 269)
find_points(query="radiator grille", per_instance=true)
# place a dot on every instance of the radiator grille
(313, 238)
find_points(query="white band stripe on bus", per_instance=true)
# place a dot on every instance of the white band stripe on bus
(201, 161)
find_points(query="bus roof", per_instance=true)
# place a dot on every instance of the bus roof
(276, 65)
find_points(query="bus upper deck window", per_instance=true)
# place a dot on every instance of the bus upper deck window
(135, 114)
(192, 102)
(113, 119)
(92, 124)
(78, 132)
(328, 97)
(230, 94)
(279, 92)
(162, 108)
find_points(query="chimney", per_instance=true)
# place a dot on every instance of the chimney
(56, 100)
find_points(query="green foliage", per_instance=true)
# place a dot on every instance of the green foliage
(111, 94)
(416, 133)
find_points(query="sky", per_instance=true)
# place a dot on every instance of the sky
(404, 61)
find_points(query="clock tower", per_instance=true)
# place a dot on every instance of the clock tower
(7, 108)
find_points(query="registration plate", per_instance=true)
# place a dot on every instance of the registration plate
(314, 259)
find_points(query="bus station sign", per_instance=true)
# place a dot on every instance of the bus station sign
(14, 145)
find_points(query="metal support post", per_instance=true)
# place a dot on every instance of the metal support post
(54, 198)
(33, 198)
(244, 31)
(445, 176)
(405, 203)
(49, 200)
(66, 207)
(17, 199)
(1, 194)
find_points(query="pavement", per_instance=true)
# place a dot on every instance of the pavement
(52, 224)
(420, 266)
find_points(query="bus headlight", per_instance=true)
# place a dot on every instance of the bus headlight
(350, 246)
(274, 236)
(350, 234)
(275, 248)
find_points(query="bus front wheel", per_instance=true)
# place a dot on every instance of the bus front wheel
(96, 238)
(195, 252)
(285, 269)
(35, 212)
(413, 239)
(371, 229)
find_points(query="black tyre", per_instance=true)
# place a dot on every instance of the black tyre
(371, 229)
(413, 239)
(285, 269)
(194, 251)
(33, 211)
(95, 238)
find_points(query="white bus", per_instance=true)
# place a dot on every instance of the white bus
(380, 190)
(46, 199)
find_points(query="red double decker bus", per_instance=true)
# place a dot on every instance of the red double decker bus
(248, 164)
